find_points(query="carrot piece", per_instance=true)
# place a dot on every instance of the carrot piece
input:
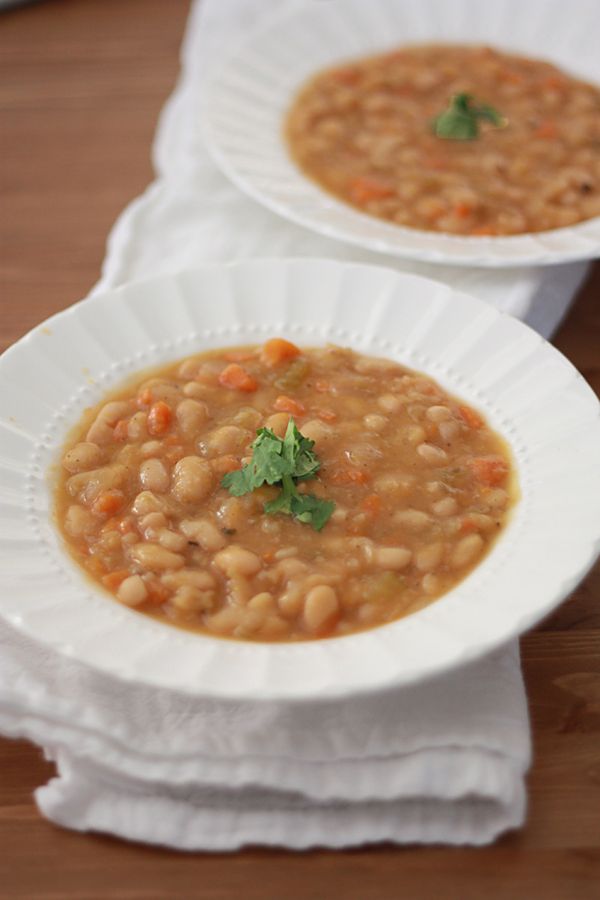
(289, 405)
(483, 231)
(111, 524)
(347, 75)
(349, 475)
(236, 378)
(108, 503)
(145, 397)
(489, 470)
(553, 82)
(277, 350)
(159, 418)
(114, 579)
(463, 210)
(467, 526)
(223, 464)
(434, 162)
(546, 129)
(120, 432)
(326, 415)
(470, 417)
(372, 505)
(365, 188)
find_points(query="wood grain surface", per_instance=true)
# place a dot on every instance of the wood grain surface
(81, 84)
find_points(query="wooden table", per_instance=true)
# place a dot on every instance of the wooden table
(81, 83)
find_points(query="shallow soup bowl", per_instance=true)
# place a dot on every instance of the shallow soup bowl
(528, 392)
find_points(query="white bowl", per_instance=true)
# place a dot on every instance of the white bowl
(529, 392)
(245, 104)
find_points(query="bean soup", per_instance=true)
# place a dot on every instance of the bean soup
(458, 139)
(275, 493)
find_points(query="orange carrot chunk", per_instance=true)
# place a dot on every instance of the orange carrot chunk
(326, 415)
(489, 470)
(289, 405)
(236, 378)
(470, 417)
(276, 351)
(120, 431)
(364, 188)
(159, 418)
(349, 475)
(546, 129)
(372, 505)
(108, 503)
(114, 579)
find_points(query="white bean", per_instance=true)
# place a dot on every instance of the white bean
(82, 457)
(431, 584)
(154, 475)
(132, 591)
(190, 599)
(446, 507)
(392, 558)
(234, 560)
(203, 533)
(390, 403)
(435, 456)
(146, 502)
(448, 430)
(415, 434)
(317, 431)
(192, 479)
(198, 578)
(101, 431)
(79, 521)
(466, 550)
(438, 414)
(136, 427)
(413, 519)
(171, 541)
(191, 415)
(428, 558)
(227, 439)
(155, 558)
(320, 607)
(375, 422)
(278, 423)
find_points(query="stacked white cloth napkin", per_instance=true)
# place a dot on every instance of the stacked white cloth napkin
(443, 761)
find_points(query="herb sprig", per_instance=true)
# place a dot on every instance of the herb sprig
(283, 462)
(460, 121)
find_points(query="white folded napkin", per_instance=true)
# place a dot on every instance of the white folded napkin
(439, 762)
(443, 761)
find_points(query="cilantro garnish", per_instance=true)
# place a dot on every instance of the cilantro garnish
(460, 122)
(283, 462)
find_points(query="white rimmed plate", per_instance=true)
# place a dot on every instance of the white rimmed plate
(245, 103)
(530, 393)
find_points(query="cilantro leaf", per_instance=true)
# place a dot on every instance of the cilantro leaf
(283, 462)
(460, 122)
(312, 510)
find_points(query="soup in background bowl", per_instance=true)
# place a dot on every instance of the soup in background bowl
(453, 138)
